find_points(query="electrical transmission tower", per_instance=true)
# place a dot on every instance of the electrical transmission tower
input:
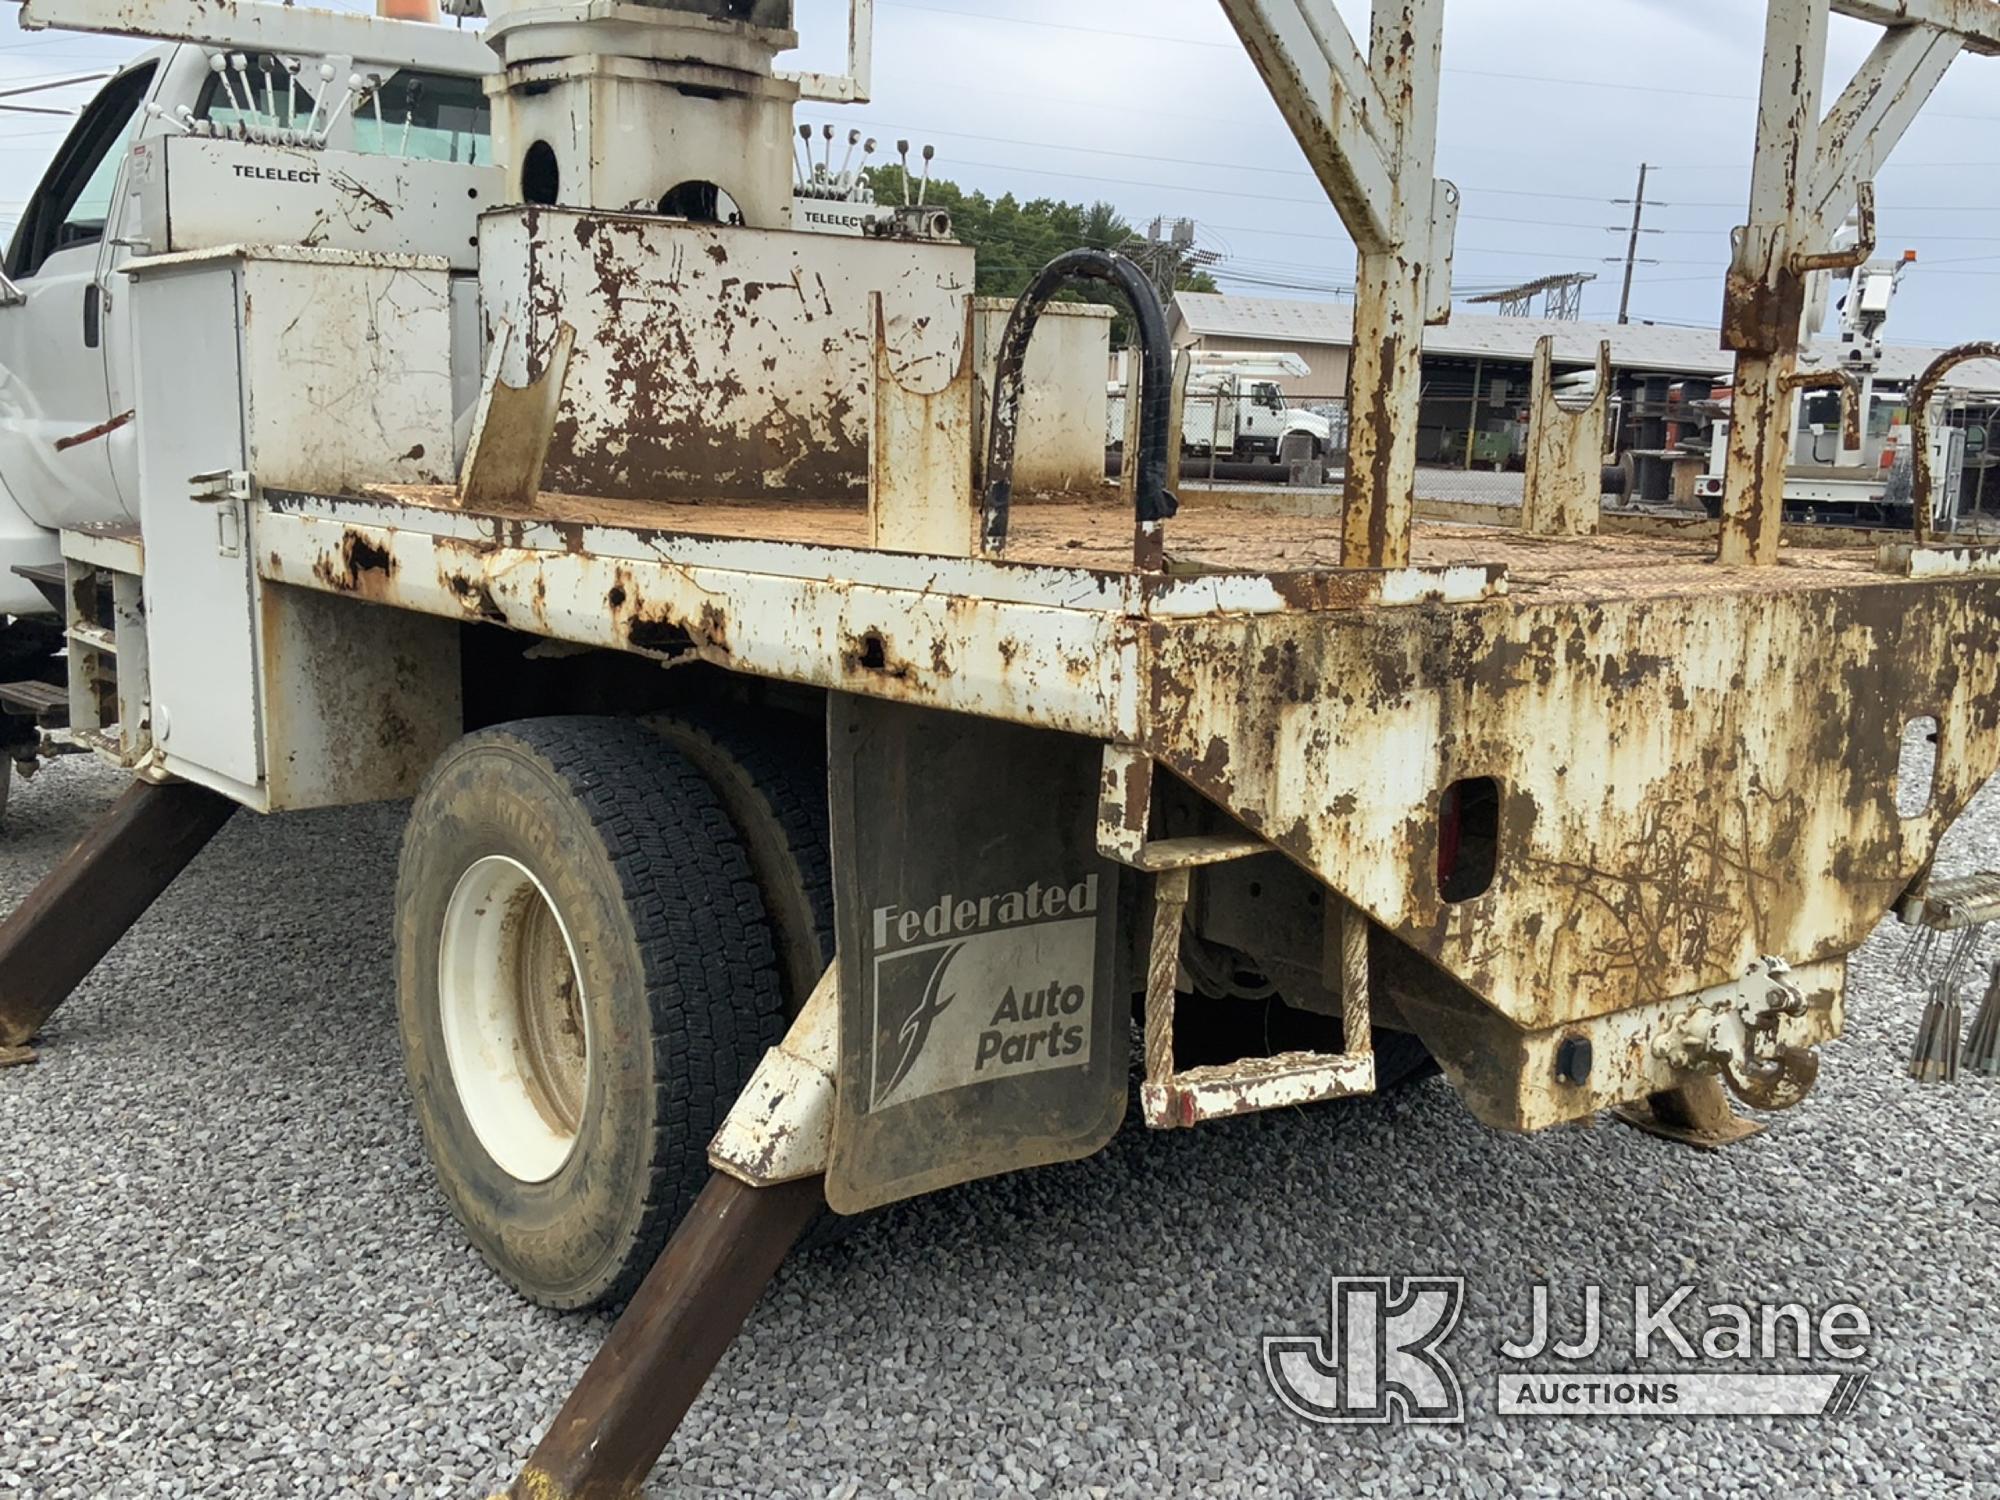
(1562, 296)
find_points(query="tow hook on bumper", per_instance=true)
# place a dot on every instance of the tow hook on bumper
(1751, 1037)
(1755, 1033)
(1739, 1036)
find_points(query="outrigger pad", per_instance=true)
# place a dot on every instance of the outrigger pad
(981, 1027)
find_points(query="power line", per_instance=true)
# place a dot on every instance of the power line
(1549, 223)
(981, 15)
(1533, 193)
(1744, 166)
(67, 40)
(1666, 280)
(1171, 161)
(1223, 166)
(1176, 161)
(1126, 110)
(1619, 86)
(1183, 187)
(63, 79)
(1175, 187)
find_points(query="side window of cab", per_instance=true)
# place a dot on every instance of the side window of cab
(74, 199)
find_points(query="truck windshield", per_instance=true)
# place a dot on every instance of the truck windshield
(425, 116)
(69, 207)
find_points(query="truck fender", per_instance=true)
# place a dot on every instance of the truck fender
(1308, 424)
(23, 543)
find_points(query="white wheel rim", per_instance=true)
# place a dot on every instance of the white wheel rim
(515, 1016)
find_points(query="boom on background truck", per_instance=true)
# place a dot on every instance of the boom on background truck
(1852, 458)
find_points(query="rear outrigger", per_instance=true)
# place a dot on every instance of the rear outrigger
(803, 814)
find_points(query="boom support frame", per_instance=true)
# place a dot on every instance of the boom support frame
(1369, 128)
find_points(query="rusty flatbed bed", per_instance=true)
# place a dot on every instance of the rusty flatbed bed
(1605, 682)
(1215, 537)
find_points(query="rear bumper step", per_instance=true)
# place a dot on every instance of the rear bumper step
(1256, 1083)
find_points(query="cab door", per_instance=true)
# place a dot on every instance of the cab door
(1263, 414)
(55, 403)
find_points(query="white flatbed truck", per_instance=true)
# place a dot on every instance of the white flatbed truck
(801, 818)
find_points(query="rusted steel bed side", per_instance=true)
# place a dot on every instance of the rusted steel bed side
(1039, 643)
(1699, 829)
(918, 630)
(1003, 637)
(1684, 782)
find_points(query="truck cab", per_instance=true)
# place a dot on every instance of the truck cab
(1868, 486)
(1236, 408)
(1260, 415)
(56, 385)
(139, 174)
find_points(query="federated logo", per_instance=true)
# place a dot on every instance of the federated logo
(1379, 1359)
(907, 1040)
(1382, 1357)
(979, 989)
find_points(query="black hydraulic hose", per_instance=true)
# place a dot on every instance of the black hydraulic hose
(1154, 504)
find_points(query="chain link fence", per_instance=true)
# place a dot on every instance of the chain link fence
(1471, 441)
(1238, 440)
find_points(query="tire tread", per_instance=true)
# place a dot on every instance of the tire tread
(705, 943)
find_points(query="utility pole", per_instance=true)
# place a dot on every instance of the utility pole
(1632, 247)
(1167, 253)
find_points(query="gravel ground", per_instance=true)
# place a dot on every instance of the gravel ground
(224, 1270)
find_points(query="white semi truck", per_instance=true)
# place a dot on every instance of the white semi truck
(801, 820)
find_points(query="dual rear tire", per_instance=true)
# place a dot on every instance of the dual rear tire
(588, 971)
(602, 924)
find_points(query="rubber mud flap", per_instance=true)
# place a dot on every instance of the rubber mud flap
(981, 1030)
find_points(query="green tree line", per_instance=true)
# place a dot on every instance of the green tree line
(1012, 240)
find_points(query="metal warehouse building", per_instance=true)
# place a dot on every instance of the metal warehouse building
(1476, 369)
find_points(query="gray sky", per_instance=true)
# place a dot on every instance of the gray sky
(1152, 105)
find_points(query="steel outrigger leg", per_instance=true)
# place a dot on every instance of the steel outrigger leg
(54, 938)
(1697, 1113)
(671, 1335)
